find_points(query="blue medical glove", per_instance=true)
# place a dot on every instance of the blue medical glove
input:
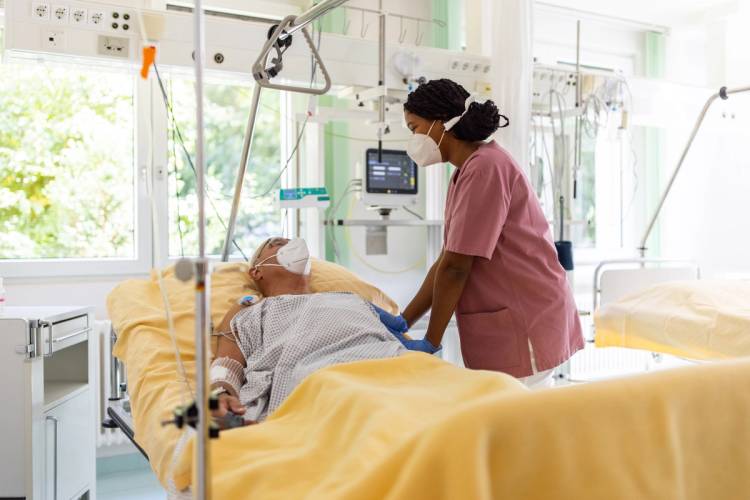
(395, 324)
(421, 345)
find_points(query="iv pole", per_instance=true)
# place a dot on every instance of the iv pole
(184, 269)
(724, 94)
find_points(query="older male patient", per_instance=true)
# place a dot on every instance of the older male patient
(266, 349)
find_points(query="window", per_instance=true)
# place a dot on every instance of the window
(66, 163)
(226, 112)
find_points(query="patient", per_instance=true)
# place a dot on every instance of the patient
(266, 349)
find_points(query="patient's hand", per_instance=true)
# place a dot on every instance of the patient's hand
(228, 403)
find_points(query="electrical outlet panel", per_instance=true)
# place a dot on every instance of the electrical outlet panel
(40, 11)
(53, 40)
(78, 16)
(60, 14)
(113, 46)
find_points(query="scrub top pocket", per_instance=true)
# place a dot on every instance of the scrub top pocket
(489, 340)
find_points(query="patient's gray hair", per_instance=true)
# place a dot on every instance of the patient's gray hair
(261, 247)
(258, 251)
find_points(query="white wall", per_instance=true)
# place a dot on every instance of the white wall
(64, 291)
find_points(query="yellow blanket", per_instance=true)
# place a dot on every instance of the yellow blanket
(415, 427)
(693, 319)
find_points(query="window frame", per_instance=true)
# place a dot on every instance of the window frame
(151, 123)
(140, 263)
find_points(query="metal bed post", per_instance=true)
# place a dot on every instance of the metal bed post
(724, 93)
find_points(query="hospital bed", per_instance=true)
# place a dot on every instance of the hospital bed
(664, 307)
(418, 427)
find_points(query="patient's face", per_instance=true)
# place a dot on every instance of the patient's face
(268, 273)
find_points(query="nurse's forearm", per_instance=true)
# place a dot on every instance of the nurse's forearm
(450, 280)
(422, 302)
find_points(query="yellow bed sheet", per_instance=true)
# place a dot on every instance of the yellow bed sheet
(415, 427)
(702, 320)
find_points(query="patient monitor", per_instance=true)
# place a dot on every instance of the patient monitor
(390, 179)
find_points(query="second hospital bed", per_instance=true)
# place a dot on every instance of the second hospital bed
(417, 427)
(669, 310)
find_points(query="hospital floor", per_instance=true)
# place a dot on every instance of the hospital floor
(124, 477)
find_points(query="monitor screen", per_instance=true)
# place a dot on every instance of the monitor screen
(394, 173)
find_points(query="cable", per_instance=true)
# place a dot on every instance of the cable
(189, 159)
(155, 238)
(176, 186)
(347, 234)
(286, 165)
(415, 214)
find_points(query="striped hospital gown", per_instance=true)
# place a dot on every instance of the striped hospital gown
(286, 338)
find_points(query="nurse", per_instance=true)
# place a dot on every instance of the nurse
(498, 270)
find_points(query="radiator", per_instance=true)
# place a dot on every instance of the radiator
(593, 363)
(104, 437)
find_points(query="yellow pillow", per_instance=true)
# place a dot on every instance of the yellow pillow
(138, 302)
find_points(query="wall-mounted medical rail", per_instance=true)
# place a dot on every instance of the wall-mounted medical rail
(403, 29)
(724, 94)
(381, 222)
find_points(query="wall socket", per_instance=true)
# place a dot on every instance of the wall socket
(78, 16)
(40, 11)
(60, 14)
(96, 17)
(114, 46)
(53, 40)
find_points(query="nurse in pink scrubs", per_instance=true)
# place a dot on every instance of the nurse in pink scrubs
(498, 270)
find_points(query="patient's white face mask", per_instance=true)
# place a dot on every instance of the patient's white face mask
(294, 257)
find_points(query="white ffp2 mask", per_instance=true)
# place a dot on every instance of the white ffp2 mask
(424, 150)
(294, 257)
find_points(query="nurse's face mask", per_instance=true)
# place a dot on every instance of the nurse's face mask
(424, 150)
(294, 257)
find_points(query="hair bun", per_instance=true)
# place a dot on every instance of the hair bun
(480, 121)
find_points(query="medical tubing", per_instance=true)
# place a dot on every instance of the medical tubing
(155, 231)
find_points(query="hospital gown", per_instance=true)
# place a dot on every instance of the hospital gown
(288, 337)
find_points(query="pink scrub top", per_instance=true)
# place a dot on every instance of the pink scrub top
(517, 297)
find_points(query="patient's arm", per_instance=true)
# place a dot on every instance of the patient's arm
(227, 347)
(227, 368)
(422, 302)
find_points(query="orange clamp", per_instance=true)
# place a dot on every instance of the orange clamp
(149, 55)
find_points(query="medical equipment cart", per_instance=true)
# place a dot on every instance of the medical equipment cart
(47, 424)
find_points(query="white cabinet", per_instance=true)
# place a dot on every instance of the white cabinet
(69, 439)
(47, 424)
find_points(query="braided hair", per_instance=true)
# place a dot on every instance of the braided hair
(445, 99)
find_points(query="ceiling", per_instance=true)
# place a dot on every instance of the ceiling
(661, 12)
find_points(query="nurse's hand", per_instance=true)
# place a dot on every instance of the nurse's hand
(395, 324)
(421, 345)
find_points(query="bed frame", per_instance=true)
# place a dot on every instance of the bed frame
(614, 279)
(119, 415)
